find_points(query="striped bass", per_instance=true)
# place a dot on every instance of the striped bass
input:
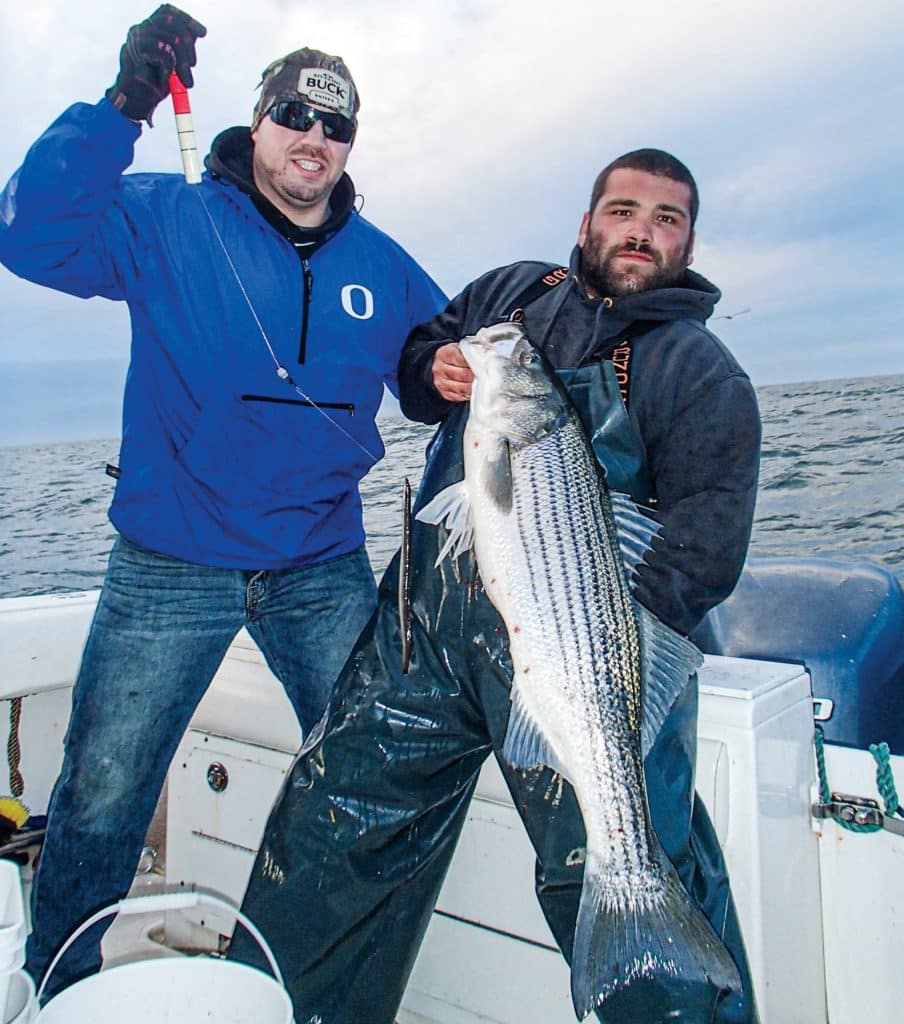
(594, 673)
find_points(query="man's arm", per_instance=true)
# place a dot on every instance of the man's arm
(54, 223)
(58, 220)
(705, 471)
(433, 374)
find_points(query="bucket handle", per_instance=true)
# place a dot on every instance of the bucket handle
(184, 900)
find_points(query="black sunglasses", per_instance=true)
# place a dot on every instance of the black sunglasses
(301, 117)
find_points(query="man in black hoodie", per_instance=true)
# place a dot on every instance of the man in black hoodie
(628, 298)
(358, 844)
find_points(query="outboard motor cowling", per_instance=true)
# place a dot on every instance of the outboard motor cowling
(843, 621)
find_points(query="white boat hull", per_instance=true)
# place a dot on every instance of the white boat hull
(819, 907)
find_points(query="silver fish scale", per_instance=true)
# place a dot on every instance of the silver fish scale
(586, 646)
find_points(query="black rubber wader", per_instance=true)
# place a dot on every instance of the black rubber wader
(358, 843)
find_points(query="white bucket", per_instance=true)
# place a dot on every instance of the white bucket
(21, 1005)
(13, 929)
(176, 990)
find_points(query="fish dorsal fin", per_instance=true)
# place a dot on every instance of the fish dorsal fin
(497, 478)
(452, 507)
(525, 745)
(669, 660)
(635, 530)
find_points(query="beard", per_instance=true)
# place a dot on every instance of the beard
(603, 278)
(277, 178)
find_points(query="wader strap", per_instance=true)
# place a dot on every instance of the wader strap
(515, 311)
(621, 356)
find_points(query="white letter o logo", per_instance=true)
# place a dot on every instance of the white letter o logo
(347, 293)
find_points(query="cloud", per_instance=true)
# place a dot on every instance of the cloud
(777, 275)
(484, 122)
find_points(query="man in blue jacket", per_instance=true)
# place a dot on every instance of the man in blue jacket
(267, 315)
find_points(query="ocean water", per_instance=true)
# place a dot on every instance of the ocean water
(830, 486)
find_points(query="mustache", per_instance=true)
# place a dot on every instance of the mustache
(309, 153)
(644, 248)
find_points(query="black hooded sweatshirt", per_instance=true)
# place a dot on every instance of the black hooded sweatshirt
(692, 404)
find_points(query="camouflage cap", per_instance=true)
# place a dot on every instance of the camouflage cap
(309, 75)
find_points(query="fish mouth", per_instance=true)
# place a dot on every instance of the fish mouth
(497, 340)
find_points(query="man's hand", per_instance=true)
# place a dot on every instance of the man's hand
(153, 49)
(452, 377)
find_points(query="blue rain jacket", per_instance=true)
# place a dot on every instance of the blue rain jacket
(222, 462)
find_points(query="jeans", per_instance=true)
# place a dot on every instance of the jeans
(161, 629)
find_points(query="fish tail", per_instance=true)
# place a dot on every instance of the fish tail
(666, 937)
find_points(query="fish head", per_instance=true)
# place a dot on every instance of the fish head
(514, 395)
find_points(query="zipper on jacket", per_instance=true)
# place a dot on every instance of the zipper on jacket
(348, 407)
(306, 305)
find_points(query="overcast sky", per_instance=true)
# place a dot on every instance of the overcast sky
(483, 124)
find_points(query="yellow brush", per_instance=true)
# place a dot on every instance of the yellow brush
(14, 810)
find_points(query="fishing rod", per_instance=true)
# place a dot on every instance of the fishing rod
(188, 147)
(185, 129)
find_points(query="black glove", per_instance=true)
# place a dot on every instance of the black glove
(163, 43)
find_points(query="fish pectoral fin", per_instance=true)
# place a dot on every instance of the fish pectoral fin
(669, 660)
(635, 529)
(451, 507)
(497, 478)
(525, 744)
